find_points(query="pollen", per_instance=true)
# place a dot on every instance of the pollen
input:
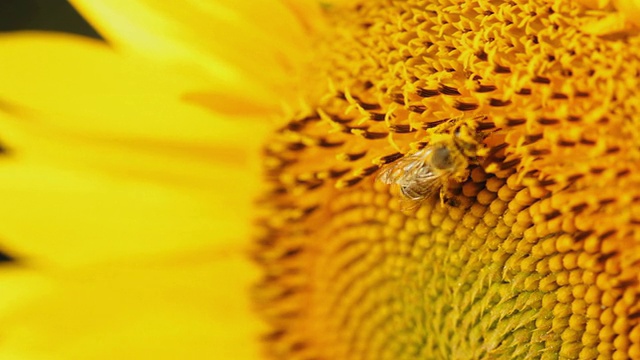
(536, 251)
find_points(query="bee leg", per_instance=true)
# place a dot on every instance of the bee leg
(443, 196)
(446, 198)
(452, 201)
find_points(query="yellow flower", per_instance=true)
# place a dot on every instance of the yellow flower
(523, 115)
(451, 180)
(127, 205)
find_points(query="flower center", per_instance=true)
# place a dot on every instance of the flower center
(531, 249)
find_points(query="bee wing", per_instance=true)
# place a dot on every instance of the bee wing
(404, 169)
(409, 205)
(417, 192)
(390, 174)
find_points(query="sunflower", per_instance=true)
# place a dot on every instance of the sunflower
(440, 180)
(129, 172)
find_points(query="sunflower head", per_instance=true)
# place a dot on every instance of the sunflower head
(533, 255)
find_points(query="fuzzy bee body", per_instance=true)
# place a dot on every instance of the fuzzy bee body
(421, 174)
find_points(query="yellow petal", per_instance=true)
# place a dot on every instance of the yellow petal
(67, 217)
(252, 43)
(109, 167)
(200, 165)
(110, 163)
(19, 284)
(194, 307)
(630, 9)
(595, 4)
(89, 88)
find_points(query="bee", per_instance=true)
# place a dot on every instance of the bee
(422, 173)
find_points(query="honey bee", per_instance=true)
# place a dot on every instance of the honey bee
(420, 174)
